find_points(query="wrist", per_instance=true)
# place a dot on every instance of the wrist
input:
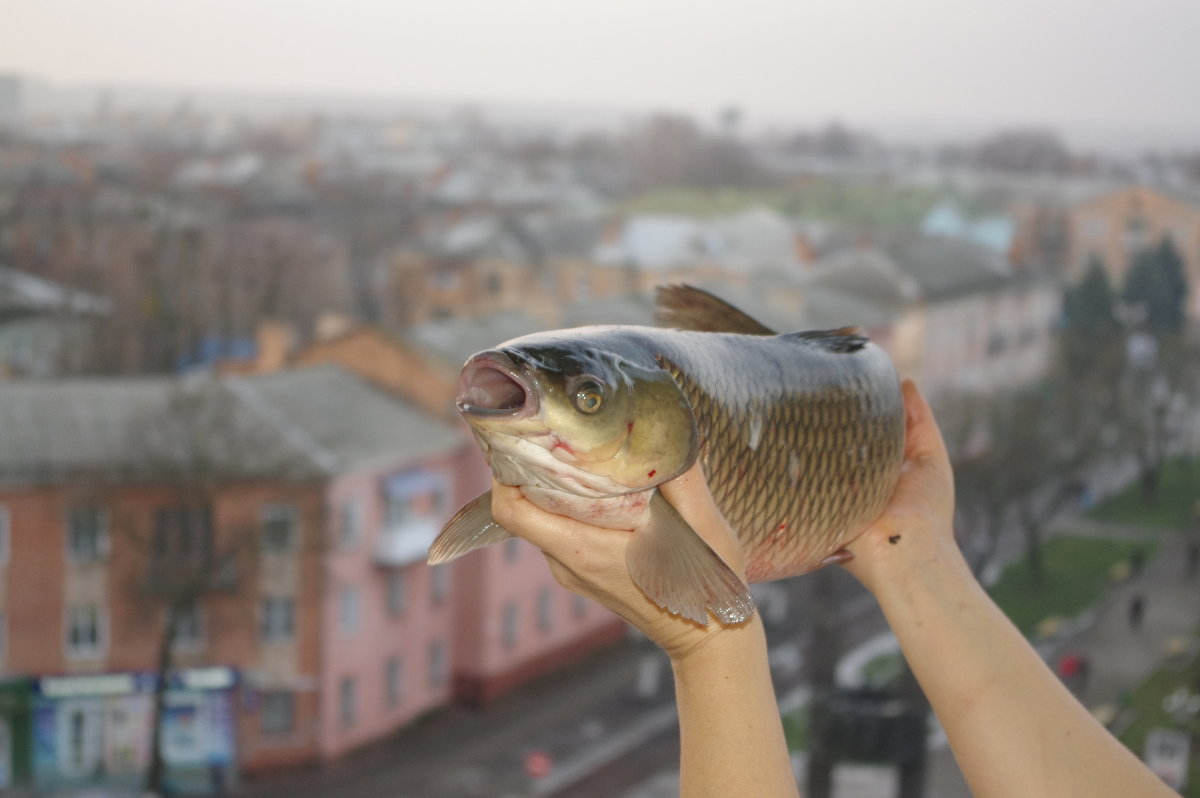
(722, 646)
(886, 560)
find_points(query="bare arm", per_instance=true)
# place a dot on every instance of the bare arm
(1013, 727)
(730, 733)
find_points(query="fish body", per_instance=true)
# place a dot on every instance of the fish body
(800, 436)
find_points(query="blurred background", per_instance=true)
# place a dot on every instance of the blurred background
(246, 246)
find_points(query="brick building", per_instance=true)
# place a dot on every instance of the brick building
(307, 497)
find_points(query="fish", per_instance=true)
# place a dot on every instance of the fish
(800, 437)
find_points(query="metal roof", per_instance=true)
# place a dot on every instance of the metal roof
(303, 423)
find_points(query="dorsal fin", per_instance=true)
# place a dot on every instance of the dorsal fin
(843, 339)
(689, 308)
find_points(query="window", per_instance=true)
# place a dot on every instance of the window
(437, 663)
(1136, 236)
(414, 498)
(5, 534)
(543, 610)
(348, 609)
(87, 534)
(189, 627)
(85, 633)
(509, 625)
(279, 528)
(439, 576)
(394, 681)
(278, 712)
(278, 621)
(346, 700)
(997, 343)
(183, 534)
(414, 505)
(396, 588)
(351, 525)
(447, 280)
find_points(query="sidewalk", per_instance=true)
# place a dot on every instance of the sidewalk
(1120, 656)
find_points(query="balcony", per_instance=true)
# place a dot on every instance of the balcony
(404, 544)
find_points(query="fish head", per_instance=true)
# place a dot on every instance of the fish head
(584, 419)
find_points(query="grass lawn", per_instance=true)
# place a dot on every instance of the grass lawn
(795, 729)
(1146, 706)
(1178, 490)
(1077, 571)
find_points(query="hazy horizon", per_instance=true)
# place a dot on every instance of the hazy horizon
(1100, 73)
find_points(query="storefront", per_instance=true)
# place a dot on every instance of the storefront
(95, 729)
(14, 733)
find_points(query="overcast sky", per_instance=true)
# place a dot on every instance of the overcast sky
(1069, 63)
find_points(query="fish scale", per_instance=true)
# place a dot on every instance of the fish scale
(840, 488)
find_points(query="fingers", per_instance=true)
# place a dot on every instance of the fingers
(923, 439)
(559, 537)
(689, 495)
(518, 515)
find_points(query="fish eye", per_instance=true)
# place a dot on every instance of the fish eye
(589, 397)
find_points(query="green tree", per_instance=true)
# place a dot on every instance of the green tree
(1089, 314)
(1156, 287)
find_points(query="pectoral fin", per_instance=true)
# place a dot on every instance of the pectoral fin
(471, 528)
(678, 571)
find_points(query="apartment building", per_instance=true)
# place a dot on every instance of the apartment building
(1115, 226)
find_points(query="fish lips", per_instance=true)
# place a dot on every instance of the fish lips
(493, 385)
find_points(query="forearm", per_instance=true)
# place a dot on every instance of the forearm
(1013, 727)
(731, 737)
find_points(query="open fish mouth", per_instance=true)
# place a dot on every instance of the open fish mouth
(491, 385)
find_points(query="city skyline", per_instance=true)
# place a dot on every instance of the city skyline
(1097, 72)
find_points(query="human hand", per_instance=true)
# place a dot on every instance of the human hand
(590, 560)
(917, 526)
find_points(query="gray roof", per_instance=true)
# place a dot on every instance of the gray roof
(871, 286)
(24, 293)
(307, 423)
(869, 275)
(452, 341)
(638, 309)
(755, 239)
(948, 267)
(655, 242)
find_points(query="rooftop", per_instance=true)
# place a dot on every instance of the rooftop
(307, 423)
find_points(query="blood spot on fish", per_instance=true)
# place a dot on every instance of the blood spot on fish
(653, 471)
(894, 539)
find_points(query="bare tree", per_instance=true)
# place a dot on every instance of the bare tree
(1156, 393)
(1029, 458)
(200, 445)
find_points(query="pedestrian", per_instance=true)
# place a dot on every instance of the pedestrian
(1012, 726)
(216, 780)
(1137, 610)
(1137, 558)
(1085, 670)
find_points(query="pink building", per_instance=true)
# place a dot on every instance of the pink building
(329, 631)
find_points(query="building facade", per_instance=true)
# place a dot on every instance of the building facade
(288, 575)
